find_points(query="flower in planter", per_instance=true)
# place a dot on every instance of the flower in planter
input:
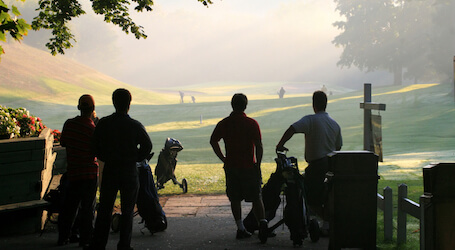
(24, 124)
(57, 135)
(8, 124)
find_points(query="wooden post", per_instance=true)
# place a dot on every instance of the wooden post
(367, 136)
(401, 215)
(367, 106)
(388, 214)
(426, 221)
(439, 222)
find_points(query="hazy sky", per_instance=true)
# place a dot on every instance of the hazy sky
(231, 40)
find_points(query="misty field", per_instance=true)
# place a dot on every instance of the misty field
(417, 130)
(417, 127)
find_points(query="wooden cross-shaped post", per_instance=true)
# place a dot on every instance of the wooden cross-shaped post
(367, 106)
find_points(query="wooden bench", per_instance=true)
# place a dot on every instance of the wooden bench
(23, 217)
(23, 206)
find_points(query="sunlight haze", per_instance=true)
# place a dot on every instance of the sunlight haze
(246, 41)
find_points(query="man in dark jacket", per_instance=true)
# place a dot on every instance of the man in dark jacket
(120, 142)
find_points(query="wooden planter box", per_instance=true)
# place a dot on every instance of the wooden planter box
(25, 173)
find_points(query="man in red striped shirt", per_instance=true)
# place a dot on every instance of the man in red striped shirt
(242, 140)
(82, 173)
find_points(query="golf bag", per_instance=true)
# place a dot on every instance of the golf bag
(148, 205)
(167, 161)
(270, 197)
(286, 179)
(295, 213)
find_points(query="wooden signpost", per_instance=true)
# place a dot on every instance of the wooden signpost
(367, 106)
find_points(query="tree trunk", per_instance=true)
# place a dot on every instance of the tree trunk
(397, 74)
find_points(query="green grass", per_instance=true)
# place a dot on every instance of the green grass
(417, 130)
(205, 178)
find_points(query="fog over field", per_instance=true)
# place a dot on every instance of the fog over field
(340, 42)
(241, 41)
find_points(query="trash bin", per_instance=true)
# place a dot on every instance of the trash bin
(438, 202)
(352, 183)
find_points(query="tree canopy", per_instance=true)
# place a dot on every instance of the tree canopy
(55, 15)
(411, 39)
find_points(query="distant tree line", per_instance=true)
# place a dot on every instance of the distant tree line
(55, 15)
(413, 39)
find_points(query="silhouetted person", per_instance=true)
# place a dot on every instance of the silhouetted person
(281, 93)
(120, 142)
(81, 176)
(322, 136)
(324, 89)
(193, 99)
(181, 96)
(242, 140)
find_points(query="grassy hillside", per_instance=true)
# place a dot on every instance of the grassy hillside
(29, 74)
(417, 125)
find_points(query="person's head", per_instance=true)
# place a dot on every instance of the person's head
(239, 102)
(86, 105)
(122, 100)
(319, 101)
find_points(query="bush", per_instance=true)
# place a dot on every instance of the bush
(19, 123)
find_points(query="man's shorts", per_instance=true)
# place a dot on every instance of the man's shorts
(243, 184)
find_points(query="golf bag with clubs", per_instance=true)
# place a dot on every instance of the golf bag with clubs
(148, 204)
(287, 180)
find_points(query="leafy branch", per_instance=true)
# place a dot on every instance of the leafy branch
(56, 14)
(17, 28)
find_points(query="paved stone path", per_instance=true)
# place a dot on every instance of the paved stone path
(194, 222)
(198, 206)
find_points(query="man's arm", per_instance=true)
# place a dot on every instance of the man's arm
(286, 136)
(339, 142)
(259, 151)
(217, 149)
(145, 144)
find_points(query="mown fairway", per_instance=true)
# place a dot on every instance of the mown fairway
(417, 129)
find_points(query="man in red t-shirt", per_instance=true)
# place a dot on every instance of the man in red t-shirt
(242, 140)
(82, 173)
